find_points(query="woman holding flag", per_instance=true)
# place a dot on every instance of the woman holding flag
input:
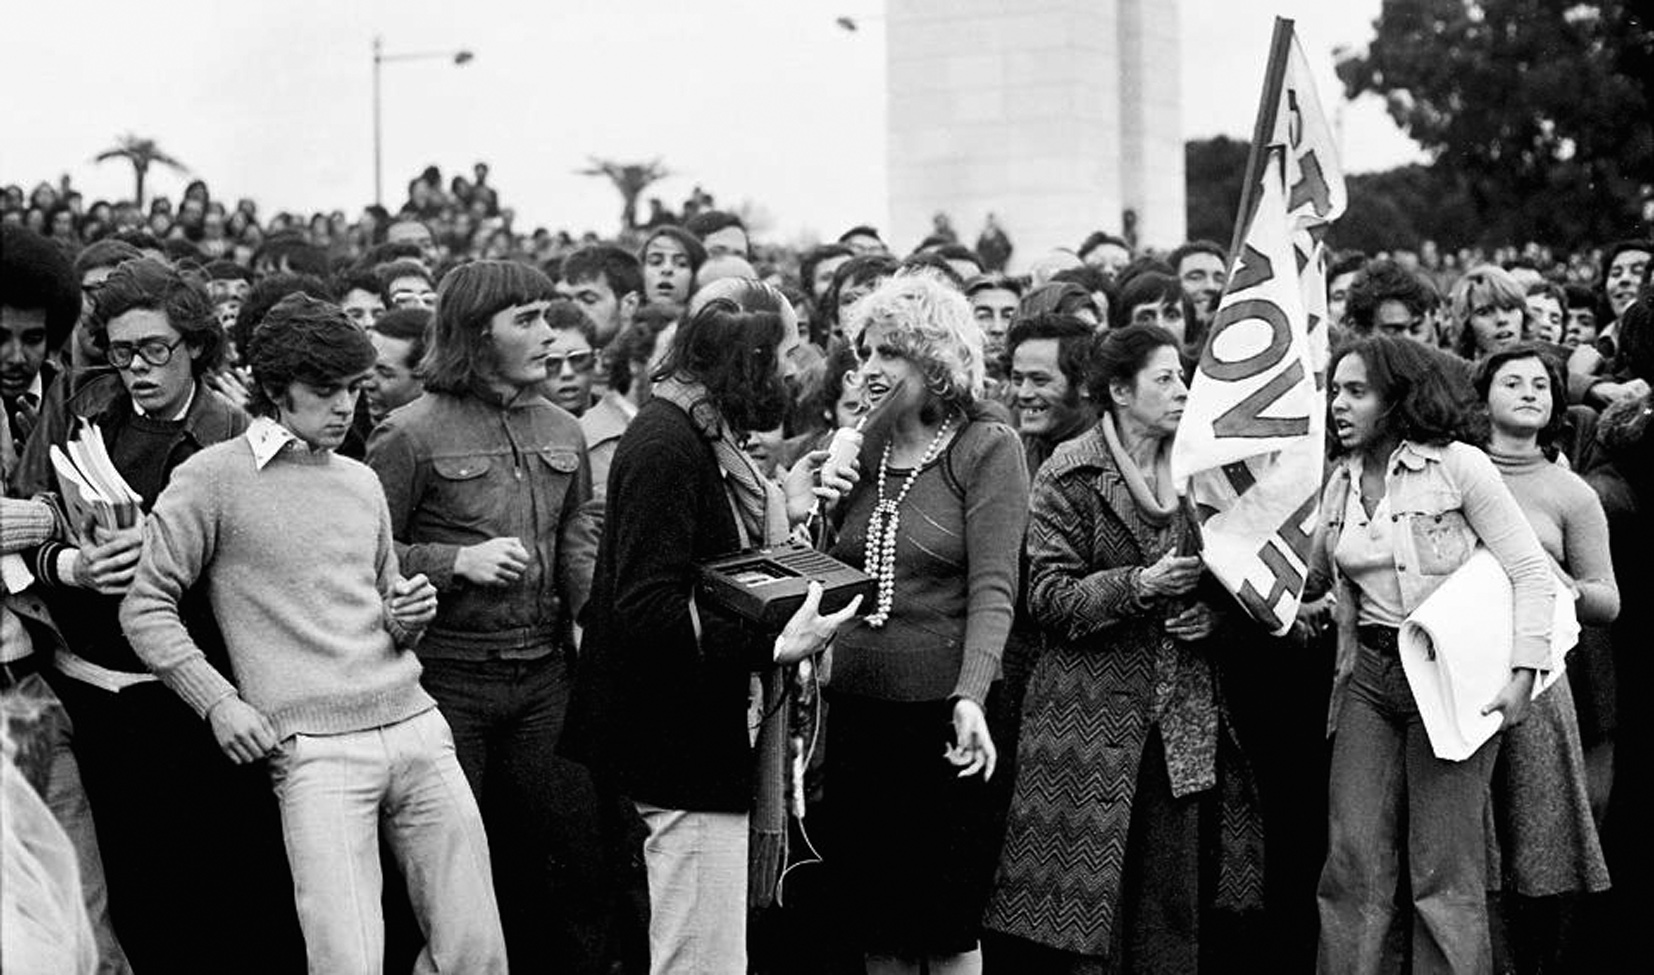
(1407, 503)
(1127, 757)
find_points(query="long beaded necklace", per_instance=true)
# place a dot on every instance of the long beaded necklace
(880, 557)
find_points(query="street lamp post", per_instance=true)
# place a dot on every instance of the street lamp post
(461, 56)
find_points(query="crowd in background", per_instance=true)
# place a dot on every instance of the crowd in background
(1038, 379)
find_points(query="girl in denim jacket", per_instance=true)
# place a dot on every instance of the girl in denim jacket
(1407, 505)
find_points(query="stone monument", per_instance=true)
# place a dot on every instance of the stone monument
(1060, 117)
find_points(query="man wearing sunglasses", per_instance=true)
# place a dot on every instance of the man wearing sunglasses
(487, 484)
(571, 362)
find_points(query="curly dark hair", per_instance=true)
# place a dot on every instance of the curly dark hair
(1426, 393)
(264, 296)
(729, 347)
(34, 273)
(1382, 281)
(1555, 372)
(1074, 341)
(303, 339)
(853, 273)
(146, 284)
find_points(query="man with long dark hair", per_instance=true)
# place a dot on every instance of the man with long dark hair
(488, 483)
(661, 712)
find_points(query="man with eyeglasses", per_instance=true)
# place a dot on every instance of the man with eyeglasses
(487, 484)
(169, 808)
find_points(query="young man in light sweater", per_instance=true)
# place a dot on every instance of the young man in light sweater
(294, 545)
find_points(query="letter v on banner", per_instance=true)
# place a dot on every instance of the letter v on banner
(1249, 448)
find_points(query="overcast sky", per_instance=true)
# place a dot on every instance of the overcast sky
(752, 99)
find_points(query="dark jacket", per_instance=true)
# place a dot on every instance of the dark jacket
(89, 620)
(99, 396)
(460, 470)
(658, 712)
(1089, 709)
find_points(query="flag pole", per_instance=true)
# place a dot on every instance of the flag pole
(1269, 104)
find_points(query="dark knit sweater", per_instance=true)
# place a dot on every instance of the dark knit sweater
(956, 573)
(659, 711)
(298, 560)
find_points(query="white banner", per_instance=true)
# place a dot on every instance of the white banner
(1250, 444)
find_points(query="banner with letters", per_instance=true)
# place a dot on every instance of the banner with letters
(1250, 448)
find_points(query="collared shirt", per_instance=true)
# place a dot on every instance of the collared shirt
(183, 411)
(268, 438)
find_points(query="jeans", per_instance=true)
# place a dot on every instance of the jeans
(336, 793)
(507, 716)
(697, 865)
(1384, 775)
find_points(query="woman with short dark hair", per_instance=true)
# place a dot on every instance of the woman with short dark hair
(1125, 737)
(664, 703)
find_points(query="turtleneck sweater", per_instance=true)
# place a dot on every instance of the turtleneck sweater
(1568, 518)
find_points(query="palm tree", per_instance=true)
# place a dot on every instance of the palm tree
(630, 179)
(141, 153)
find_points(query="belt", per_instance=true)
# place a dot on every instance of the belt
(1384, 639)
(12, 672)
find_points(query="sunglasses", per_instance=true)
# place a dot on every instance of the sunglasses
(578, 361)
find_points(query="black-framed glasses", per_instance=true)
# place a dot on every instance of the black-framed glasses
(579, 361)
(156, 352)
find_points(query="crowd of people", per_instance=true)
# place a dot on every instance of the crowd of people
(404, 659)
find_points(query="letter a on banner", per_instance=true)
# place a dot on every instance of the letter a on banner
(1251, 440)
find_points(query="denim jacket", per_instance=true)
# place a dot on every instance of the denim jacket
(460, 470)
(1444, 500)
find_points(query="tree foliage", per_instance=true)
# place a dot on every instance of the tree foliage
(141, 153)
(1542, 111)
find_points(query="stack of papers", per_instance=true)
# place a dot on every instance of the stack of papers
(1456, 650)
(93, 491)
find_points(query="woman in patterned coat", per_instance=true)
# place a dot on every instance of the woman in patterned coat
(1126, 757)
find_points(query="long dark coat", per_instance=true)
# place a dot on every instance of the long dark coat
(1087, 712)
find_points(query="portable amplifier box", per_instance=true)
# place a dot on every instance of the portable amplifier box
(767, 585)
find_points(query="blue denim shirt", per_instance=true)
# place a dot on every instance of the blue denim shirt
(460, 470)
(1444, 499)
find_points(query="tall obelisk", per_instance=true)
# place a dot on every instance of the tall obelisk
(1058, 116)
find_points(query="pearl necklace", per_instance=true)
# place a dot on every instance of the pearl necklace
(880, 557)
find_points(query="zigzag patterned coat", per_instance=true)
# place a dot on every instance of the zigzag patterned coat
(1088, 711)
